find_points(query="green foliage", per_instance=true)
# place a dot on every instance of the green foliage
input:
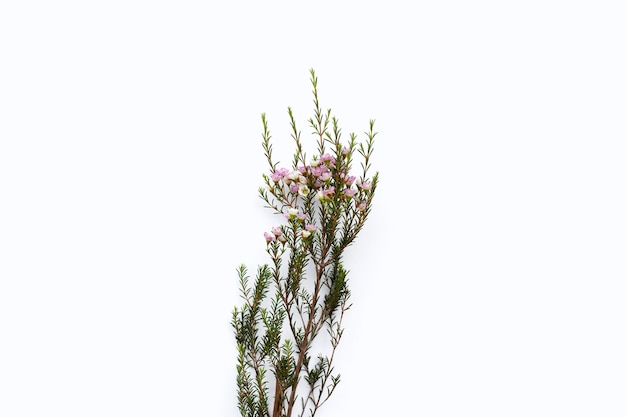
(287, 306)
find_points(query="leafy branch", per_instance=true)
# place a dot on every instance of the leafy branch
(304, 289)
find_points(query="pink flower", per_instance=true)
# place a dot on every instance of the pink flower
(328, 158)
(350, 192)
(317, 171)
(364, 185)
(310, 227)
(301, 216)
(361, 206)
(324, 194)
(279, 174)
(277, 231)
(269, 237)
(345, 150)
(350, 180)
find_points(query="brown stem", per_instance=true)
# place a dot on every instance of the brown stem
(305, 345)
(278, 400)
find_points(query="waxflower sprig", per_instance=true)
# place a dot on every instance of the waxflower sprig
(303, 290)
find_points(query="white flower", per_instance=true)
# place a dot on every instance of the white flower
(292, 212)
(303, 190)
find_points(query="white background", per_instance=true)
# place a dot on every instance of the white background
(489, 280)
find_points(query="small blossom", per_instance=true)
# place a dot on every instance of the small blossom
(314, 163)
(303, 190)
(269, 237)
(291, 213)
(310, 227)
(301, 216)
(350, 180)
(291, 176)
(328, 159)
(326, 176)
(316, 171)
(361, 205)
(281, 238)
(324, 194)
(349, 192)
(294, 188)
(345, 150)
(305, 234)
(277, 231)
(364, 185)
(279, 174)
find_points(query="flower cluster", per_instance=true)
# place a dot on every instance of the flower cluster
(324, 178)
(316, 176)
(275, 234)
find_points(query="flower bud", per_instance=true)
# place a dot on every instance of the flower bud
(269, 237)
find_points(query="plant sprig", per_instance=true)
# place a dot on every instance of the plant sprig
(304, 289)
